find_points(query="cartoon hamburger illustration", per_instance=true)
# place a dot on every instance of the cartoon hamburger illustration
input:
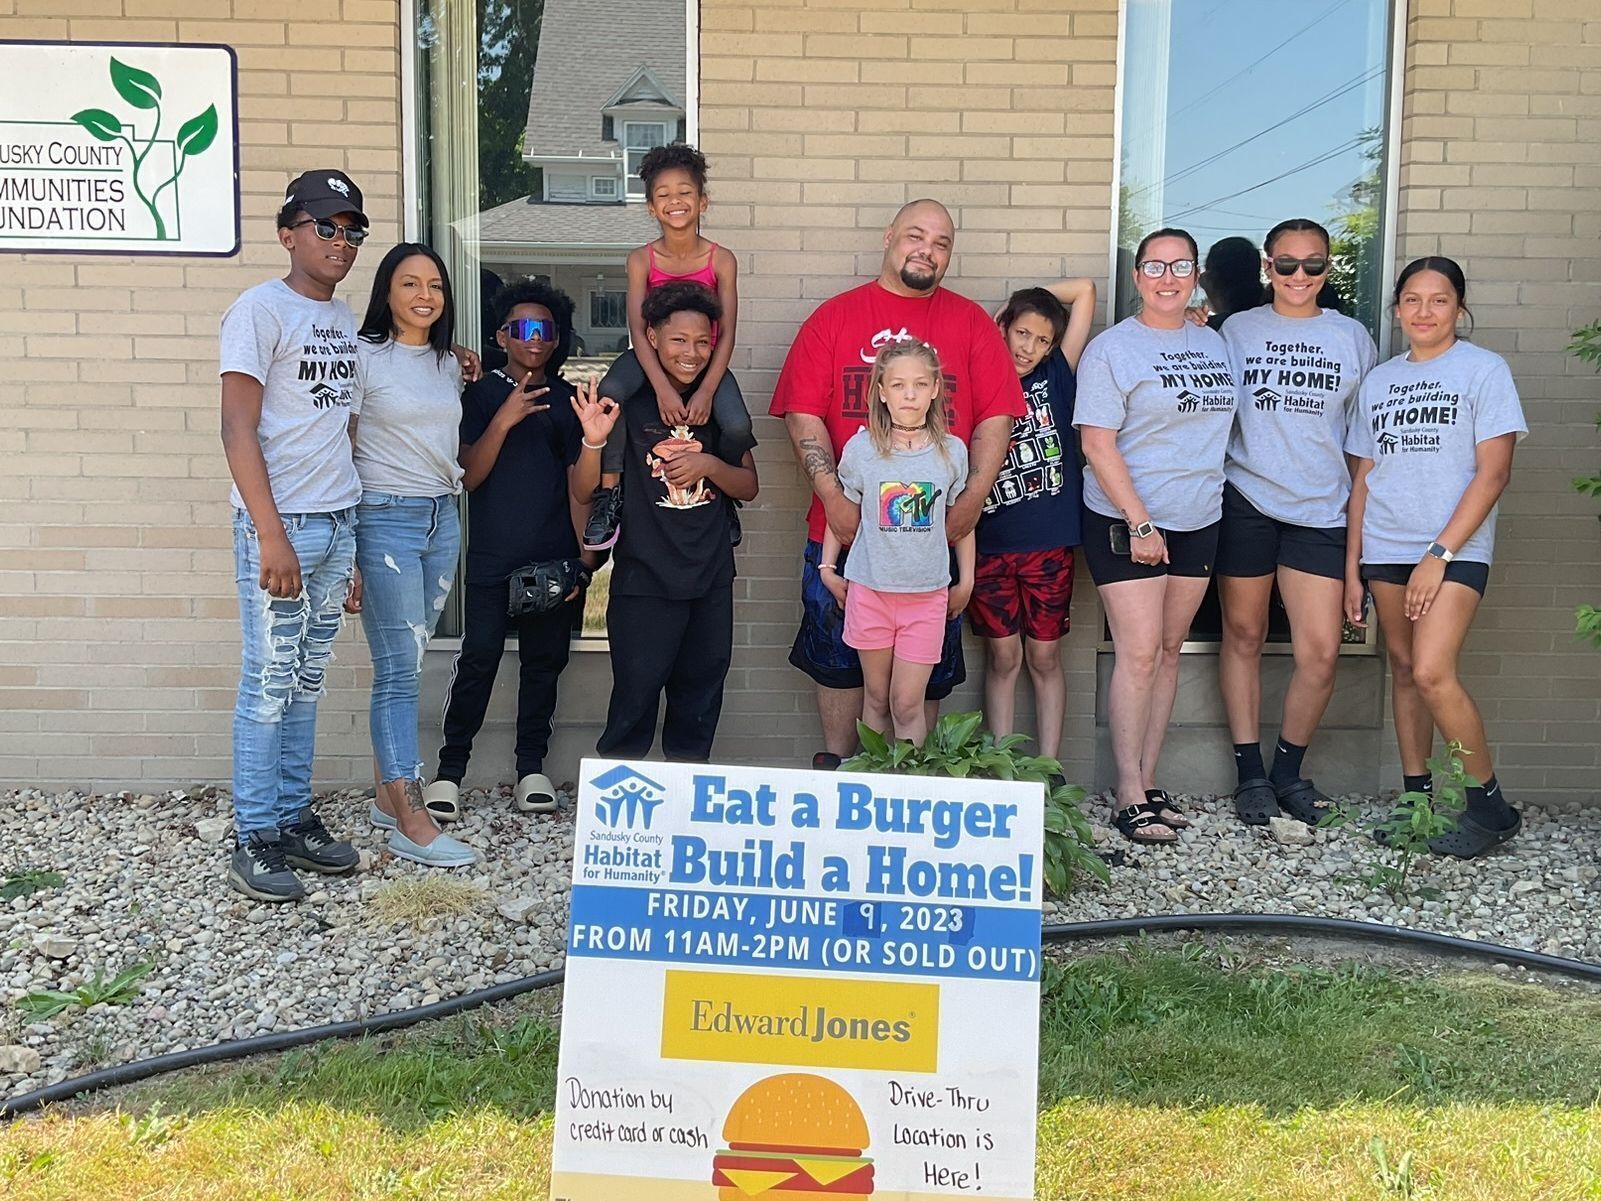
(794, 1137)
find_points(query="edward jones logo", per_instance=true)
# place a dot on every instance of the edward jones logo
(627, 798)
(810, 1021)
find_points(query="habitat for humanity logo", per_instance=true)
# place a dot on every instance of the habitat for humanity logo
(142, 90)
(627, 798)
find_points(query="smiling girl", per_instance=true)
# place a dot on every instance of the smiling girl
(1431, 453)
(405, 428)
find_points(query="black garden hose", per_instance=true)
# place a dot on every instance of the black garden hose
(1246, 923)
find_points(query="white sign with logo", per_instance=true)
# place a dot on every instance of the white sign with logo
(791, 984)
(118, 148)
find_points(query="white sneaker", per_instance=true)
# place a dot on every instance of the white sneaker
(443, 799)
(535, 794)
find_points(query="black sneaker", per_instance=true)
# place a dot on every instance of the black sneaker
(605, 518)
(259, 870)
(824, 761)
(307, 844)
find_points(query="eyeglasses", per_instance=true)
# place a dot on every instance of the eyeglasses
(526, 329)
(1156, 268)
(1283, 264)
(329, 230)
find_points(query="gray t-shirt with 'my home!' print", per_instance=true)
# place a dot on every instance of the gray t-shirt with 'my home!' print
(1169, 394)
(900, 545)
(1421, 424)
(303, 352)
(1297, 382)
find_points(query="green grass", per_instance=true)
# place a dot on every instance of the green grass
(1197, 1076)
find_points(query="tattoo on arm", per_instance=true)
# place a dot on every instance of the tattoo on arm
(816, 461)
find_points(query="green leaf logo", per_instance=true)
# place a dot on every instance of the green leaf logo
(138, 88)
(197, 133)
(101, 124)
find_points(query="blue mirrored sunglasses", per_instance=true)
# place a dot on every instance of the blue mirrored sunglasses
(526, 329)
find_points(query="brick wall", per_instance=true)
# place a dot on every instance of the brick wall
(1501, 170)
(118, 623)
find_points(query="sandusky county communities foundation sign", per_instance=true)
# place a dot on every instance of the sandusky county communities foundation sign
(118, 148)
(787, 984)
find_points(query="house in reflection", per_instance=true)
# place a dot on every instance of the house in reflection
(609, 84)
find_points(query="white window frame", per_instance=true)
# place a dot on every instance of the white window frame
(594, 294)
(630, 170)
(595, 190)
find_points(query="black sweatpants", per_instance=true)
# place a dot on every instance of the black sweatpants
(543, 641)
(680, 647)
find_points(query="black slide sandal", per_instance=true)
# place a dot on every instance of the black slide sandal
(1133, 821)
(1470, 840)
(1256, 802)
(1302, 801)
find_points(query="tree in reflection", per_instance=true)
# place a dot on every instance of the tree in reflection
(1354, 244)
(508, 37)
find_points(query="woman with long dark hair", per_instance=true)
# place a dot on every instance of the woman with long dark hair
(1431, 448)
(1154, 409)
(405, 428)
(1297, 366)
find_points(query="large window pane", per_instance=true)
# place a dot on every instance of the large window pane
(1238, 114)
(532, 117)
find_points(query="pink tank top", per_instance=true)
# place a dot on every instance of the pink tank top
(707, 275)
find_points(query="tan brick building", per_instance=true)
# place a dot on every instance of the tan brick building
(118, 629)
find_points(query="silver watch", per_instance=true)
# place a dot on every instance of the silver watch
(1440, 553)
(1144, 530)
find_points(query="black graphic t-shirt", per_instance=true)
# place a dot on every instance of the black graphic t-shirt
(1037, 500)
(1297, 379)
(674, 542)
(303, 352)
(1421, 424)
(1169, 394)
(519, 514)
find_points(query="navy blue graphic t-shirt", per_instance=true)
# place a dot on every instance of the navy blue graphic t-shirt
(1037, 499)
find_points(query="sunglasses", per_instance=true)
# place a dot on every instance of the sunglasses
(1156, 268)
(329, 230)
(526, 329)
(1283, 264)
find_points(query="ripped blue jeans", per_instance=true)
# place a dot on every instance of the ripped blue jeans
(287, 646)
(406, 547)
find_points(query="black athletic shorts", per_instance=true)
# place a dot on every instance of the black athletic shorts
(1189, 552)
(1458, 571)
(1250, 543)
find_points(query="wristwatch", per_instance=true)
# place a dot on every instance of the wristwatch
(1440, 553)
(1144, 530)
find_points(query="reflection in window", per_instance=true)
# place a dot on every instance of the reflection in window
(1238, 114)
(532, 118)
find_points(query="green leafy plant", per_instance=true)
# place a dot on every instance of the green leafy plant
(1586, 347)
(959, 746)
(1401, 1180)
(1416, 818)
(25, 881)
(102, 990)
(143, 90)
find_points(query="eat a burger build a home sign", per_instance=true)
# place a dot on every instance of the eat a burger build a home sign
(798, 986)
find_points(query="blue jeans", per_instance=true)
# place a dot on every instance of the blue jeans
(406, 547)
(287, 646)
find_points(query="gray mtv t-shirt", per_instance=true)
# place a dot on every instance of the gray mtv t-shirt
(901, 546)
(304, 353)
(409, 402)
(1169, 394)
(1297, 382)
(1421, 424)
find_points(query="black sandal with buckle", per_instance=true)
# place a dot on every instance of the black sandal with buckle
(1166, 810)
(1134, 822)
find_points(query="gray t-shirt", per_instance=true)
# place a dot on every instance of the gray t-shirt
(409, 403)
(901, 545)
(1421, 424)
(1169, 394)
(303, 352)
(1297, 380)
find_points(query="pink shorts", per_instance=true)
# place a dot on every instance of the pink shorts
(910, 623)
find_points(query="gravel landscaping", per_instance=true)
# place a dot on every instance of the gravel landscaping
(144, 882)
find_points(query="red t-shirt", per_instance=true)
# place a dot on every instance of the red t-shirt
(829, 363)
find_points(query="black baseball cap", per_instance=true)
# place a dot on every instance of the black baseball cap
(325, 194)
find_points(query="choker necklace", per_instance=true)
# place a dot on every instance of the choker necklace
(907, 429)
